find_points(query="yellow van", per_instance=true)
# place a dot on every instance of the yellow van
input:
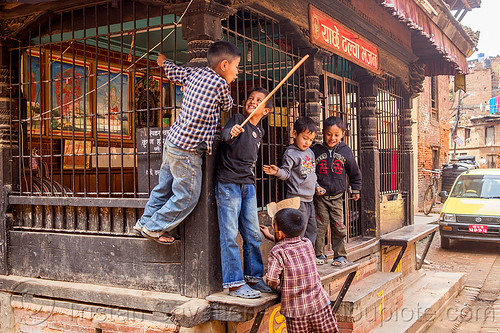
(472, 209)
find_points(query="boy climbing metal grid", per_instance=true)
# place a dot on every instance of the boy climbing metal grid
(206, 93)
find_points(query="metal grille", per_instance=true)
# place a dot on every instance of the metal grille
(341, 100)
(268, 54)
(95, 108)
(90, 87)
(390, 133)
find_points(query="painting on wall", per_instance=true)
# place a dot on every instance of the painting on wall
(113, 111)
(32, 89)
(178, 95)
(146, 94)
(69, 98)
(77, 154)
(164, 101)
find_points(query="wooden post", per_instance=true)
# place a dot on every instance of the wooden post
(7, 179)
(369, 156)
(407, 145)
(200, 253)
(313, 69)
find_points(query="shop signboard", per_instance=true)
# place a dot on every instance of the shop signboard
(333, 36)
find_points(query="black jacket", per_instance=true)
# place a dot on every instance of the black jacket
(238, 155)
(336, 169)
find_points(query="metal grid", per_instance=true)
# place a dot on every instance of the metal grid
(390, 134)
(95, 107)
(88, 82)
(268, 54)
(341, 95)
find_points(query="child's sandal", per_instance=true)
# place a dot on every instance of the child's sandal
(321, 259)
(245, 292)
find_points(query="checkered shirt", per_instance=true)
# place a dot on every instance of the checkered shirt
(292, 260)
(206, 93)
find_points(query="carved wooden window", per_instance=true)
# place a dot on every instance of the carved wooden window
(490, 135)
(434, 98)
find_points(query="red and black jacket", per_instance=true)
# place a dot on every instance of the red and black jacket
(336, 169)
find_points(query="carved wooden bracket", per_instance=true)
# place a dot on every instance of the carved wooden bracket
(16, 25)
(417, 77)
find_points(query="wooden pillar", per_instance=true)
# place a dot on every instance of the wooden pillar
(313, 70)
(407, 145)
(369, 155)
(414, 88)
(201, 27)
(202, 272)
(7, 134)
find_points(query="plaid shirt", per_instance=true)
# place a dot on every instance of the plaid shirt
(205, 92)
(293, 260)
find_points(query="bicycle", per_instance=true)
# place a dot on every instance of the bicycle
(430, 195)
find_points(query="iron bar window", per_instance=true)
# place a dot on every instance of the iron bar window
(341, 99)
(92, 110)
(390, 133)
(268, 54)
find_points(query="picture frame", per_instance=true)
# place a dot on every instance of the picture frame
(178, 95)
(77, 152)
(33, 91)
(69, 103)
(105, 155)
(164, 102)
(113, 112)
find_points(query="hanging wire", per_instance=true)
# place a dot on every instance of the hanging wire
(39, 117)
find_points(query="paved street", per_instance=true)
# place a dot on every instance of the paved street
(477, 307)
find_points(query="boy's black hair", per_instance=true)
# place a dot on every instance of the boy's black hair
(332, 121)
(269, 102)
(222, 50)
(305, 124)
(290, 221)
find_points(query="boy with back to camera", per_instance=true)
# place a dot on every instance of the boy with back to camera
(292, 266)
(237, 200)
(206, 93)
(336, 169)
(298, 170)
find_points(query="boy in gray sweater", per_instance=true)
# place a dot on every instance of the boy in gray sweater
(298, 170)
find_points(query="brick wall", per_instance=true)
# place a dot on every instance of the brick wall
(432, 133)
(49, 316)
(482, 84)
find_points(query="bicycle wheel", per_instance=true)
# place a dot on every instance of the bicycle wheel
(429, 199)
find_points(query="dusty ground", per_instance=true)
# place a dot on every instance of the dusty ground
(477, 307)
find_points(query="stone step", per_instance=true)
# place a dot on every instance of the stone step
(369, 300)
(333, 282)
(424, 300)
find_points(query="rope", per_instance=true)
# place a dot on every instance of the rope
(38, 117)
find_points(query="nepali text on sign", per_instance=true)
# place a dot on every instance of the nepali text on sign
(333, 36)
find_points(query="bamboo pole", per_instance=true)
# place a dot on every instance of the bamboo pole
(263, 103)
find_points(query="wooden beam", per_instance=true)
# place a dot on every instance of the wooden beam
(128, 262)
(466, 4)
(123, 298)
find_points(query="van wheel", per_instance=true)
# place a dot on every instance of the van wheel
(445, 243)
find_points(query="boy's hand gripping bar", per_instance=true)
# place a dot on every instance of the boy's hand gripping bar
(263, 103)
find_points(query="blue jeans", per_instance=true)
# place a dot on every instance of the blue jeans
(237, 210)
(177, 192)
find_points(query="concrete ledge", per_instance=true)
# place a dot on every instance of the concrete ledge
(328, 273)
(192, 313)
(364, 293)
(230, 308)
